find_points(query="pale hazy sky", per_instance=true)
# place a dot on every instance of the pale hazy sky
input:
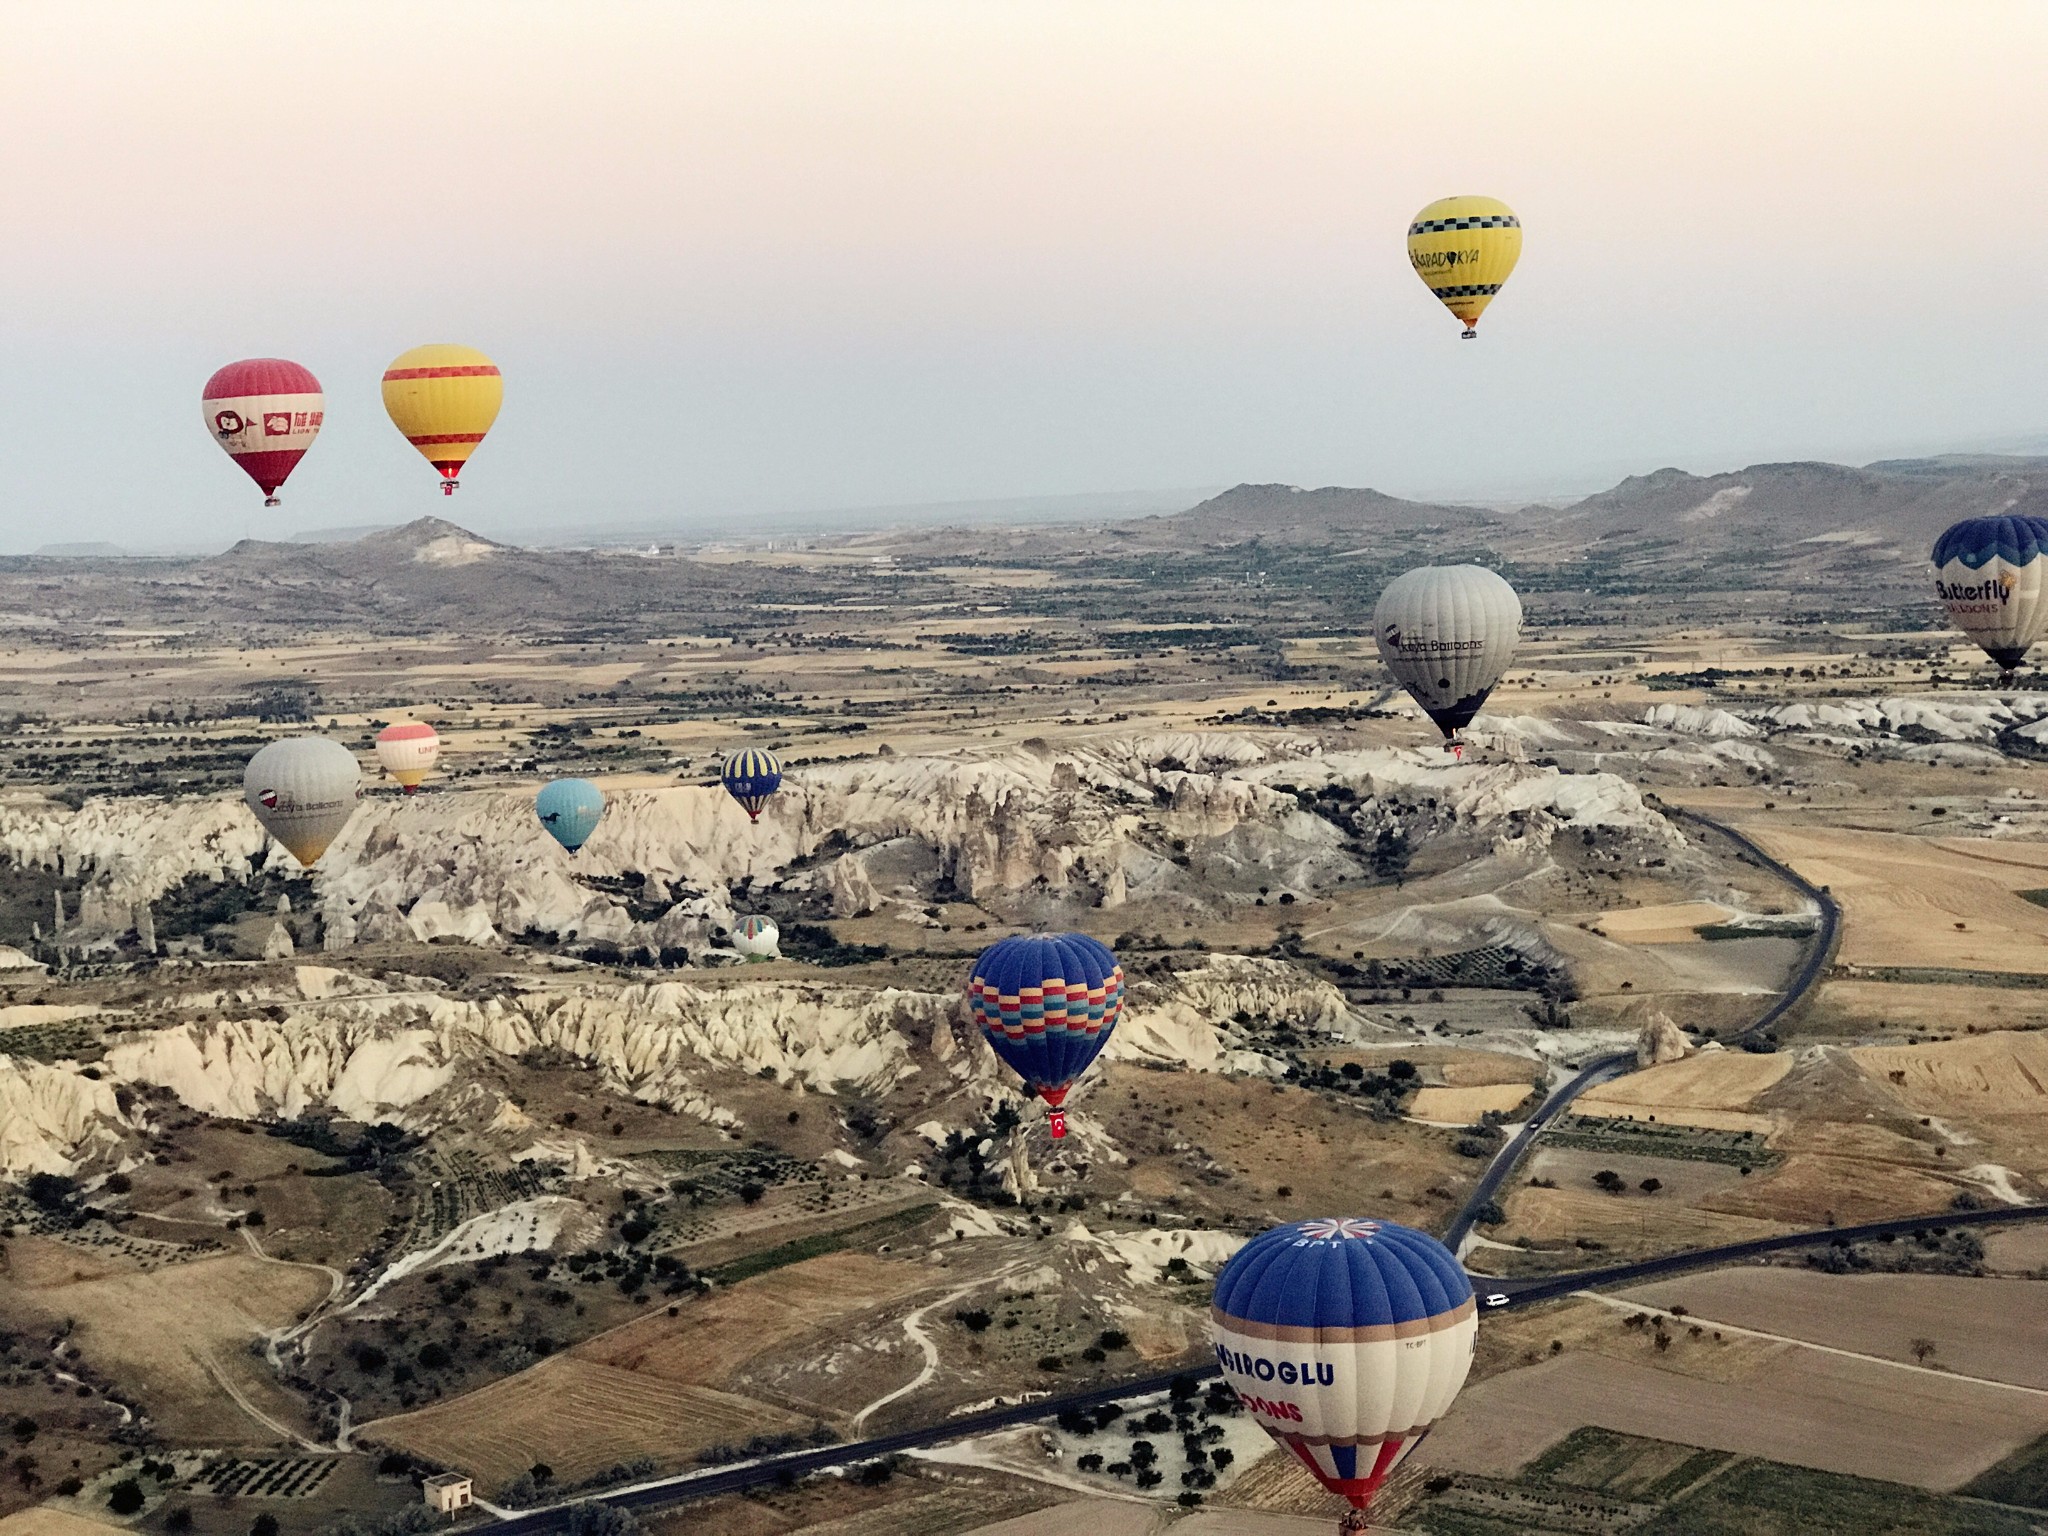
(760, 256)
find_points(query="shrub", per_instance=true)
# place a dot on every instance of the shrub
(974, 1320)
(126, 1497)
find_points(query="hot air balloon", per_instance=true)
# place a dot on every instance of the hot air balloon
(751, 777)
(303, 789)
(444, 399)
(407, 751)
(265, 412)
(1047, 1004)
(1447, 633)
(1464, 248)
(1992, 572)
(569, 809)
(756, 937)
(1346, 1339)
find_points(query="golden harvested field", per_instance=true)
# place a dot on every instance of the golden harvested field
(1463, 1106)
(1678, 923)
(579, 1417)
(2002, 1072)
(1714, 1090)
(1631, 1223)
(175, 1335)
(1914, 901)
(1799, 1406)
(52, 1522)
(1869, 1006)
(1996, 1329)
(2017, 1250)
(715, 1335)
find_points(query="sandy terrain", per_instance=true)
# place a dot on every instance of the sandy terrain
(1713, 1090)
(1464, 1106)
(1996, 1329)
(1911, 901)
(2022, 1250)
(52, 1522)
(180, 1334)
(1810, 1409)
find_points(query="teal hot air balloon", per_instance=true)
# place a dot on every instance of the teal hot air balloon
(751, 777)
(570, 810)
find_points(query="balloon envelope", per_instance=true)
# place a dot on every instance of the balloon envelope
(1463, 249)
(756, 937)
(444, 399)
(1346, 1339)
(265, 411)
(1047, 1004)
(303, 789)
(1447, 633)
(570, 809)
(1992, 573)
(407, 751)
(750, 777)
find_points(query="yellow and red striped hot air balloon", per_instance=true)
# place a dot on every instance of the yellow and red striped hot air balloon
(444, 399)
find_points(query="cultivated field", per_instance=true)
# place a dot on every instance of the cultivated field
(1714, 1090)
(178, 1336)
(1919, 902)
(1994, 1329)
(1798, 1406)
(1463, 1106)
(580, 1418)
(1673, 923)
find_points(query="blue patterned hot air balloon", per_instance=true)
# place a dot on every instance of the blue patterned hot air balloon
(1992, 573)
(751, 777)
(569, 809)
(1047, 1003)
(1346, 1339)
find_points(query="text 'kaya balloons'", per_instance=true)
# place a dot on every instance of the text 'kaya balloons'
(750, 777)
(1447, 633)
(1346, 1339)
(1048, 1004)
(570, 809)
(265, 412)
(303, 789)
(756, 937)
(1992, 572)
(408, 751)
(1464, 248)
(444, 399)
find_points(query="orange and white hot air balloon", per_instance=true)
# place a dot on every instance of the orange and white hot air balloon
(444, 399)
(407, 751)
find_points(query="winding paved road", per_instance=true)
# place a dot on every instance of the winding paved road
(1606, 1068)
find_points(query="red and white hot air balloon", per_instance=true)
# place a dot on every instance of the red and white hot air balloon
(265, 411)
(407, 751)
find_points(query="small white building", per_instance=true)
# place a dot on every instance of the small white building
(447, 1492)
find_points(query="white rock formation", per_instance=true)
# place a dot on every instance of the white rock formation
(53, 1119)
(1661, 1041)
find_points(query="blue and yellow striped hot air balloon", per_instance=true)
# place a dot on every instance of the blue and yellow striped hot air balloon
(1346, 1338)
(751, 777)
(1047, 1004)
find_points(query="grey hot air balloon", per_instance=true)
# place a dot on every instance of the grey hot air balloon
(303, 789)
(1447, 633)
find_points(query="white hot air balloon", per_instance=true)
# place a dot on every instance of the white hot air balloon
(1346, 1338)
(1447, 633)
(757, 937)
(407, 751)
(303, 789)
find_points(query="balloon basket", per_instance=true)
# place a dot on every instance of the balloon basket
(448, 487)
(1462, 336)
(273, 501)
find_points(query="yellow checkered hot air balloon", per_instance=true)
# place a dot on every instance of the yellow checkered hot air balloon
(444, 399)
(1464, 248)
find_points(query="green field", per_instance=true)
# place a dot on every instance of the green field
(815, 1246)
(2022, 1478)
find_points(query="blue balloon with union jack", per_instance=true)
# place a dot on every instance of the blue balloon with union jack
(1047, 1004)
(751, 777)
(1346, 1339)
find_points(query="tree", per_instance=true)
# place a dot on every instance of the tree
(263, 1525)
(1923, 1350)
(1222, 1457)
(125, 1498)
(179, 1519)
(600, 1520)
(541, 1472)
(1113, 1338)
(25, 1429)
(1650, 1186)
(974, 1320)
(751, 1193)
(1610, 1181)
(51, 1191)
